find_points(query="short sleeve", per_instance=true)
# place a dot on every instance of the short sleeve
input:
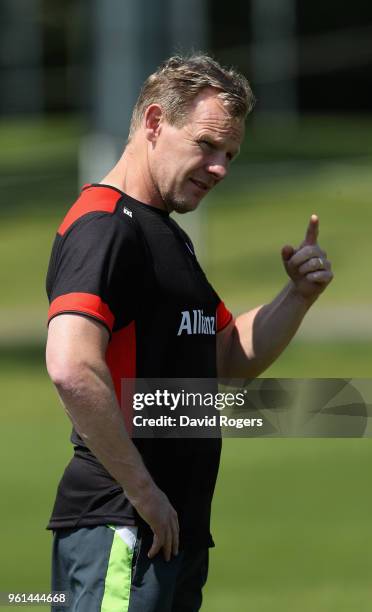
(91, 270)
(223, 316)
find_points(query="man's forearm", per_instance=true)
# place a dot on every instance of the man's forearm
(262, 334)
(89, 400)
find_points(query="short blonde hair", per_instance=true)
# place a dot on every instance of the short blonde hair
(180, 79)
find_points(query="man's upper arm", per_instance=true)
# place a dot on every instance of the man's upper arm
(224, 339)
(236, 347)
(74, 341)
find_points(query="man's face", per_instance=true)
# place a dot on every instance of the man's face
(188, 161)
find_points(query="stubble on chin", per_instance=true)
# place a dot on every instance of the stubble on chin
(180, 206)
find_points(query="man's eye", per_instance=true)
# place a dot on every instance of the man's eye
(206, 144)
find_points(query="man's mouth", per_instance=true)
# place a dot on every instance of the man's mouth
(203, 186)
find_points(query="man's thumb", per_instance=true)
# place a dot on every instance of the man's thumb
(287, 252)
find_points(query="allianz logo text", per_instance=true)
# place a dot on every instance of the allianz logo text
(194, 322)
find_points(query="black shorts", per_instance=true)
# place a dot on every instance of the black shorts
(106, 569)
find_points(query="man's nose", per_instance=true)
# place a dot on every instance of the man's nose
(218, 169)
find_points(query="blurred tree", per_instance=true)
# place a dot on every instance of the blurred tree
(21, 57)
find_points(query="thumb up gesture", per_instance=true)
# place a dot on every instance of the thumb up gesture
(308, 266)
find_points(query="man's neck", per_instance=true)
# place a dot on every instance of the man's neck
(132, 176)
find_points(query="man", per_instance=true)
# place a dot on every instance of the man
(131, 519)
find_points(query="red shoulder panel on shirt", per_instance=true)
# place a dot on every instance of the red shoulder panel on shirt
(92, 199)
(83, 303)
(224, 316)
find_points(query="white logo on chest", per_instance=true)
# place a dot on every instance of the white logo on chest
(194, 322)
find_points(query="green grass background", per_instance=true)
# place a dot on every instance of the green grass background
(291, 518)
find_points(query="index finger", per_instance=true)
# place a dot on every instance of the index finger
(167, 545)
(155, 547)
(312, 231)
(175, 540)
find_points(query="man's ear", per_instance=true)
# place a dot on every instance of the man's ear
(153, 120)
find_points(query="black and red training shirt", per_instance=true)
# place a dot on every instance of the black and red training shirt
(131, 267)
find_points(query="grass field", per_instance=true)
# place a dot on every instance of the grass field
(291, 520)
(291, 517)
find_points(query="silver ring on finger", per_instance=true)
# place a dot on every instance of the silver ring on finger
(321, 262)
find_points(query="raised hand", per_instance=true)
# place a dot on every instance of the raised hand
(308, 266)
